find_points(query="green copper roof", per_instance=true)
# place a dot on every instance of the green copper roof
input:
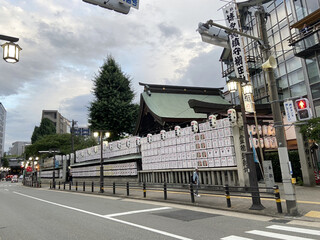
(172, 105)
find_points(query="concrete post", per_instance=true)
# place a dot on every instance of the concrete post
(305, 160)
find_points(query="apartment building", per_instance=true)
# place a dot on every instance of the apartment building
(60, 122)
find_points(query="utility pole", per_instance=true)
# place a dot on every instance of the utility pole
(289, 190)
(72, 141)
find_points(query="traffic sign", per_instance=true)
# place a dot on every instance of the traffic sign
(289, 110)
(131, 3)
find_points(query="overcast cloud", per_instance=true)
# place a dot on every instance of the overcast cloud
(66, 41)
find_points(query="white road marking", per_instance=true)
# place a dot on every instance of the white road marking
(277, 235)
(109, 218)
(137, 211)
(233, 237)
(294, 229)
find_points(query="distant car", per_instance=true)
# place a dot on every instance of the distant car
(8, 177)
(14, 178)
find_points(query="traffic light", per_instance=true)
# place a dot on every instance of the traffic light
(303, 109)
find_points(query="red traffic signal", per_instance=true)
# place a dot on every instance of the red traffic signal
(301, 104)
(303, 109)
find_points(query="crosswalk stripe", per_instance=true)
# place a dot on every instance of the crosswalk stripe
(277, 235)
(233, 237)
(294, 229)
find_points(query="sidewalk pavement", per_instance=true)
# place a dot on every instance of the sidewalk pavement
(308, 200)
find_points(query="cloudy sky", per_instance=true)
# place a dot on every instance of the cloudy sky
(65, 42)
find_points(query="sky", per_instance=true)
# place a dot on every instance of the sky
(65, 42)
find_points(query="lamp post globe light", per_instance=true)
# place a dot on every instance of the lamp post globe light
(101, 134)
(34, 161)
(11, 50)
(234, 84)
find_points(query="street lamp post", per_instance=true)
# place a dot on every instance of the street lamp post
(100, 133)
(11, 51)
(233, 85)
(33, 174)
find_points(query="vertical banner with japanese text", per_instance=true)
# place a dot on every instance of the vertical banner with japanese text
(237, 48)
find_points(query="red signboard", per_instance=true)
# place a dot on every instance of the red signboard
(29, 169)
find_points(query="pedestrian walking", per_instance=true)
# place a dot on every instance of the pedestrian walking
(70, 177)
(196, 181)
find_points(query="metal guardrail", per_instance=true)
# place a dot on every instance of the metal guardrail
(227, 191)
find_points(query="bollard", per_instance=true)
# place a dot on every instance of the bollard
(165, 191)
(76, 186)
(84, 186)
(144, 190)
(227, 193)
(277, 198)
(92, 187)
(70, 186)
(50, 185)
(127, 188)
(59, 185)
(114, 187)
(64, 185)
(191, 192)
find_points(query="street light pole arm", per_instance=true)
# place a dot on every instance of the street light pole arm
(229, 30)
(8, 38)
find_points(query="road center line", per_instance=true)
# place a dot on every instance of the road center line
(109, 218)
(137, 211)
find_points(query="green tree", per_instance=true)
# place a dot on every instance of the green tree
(311, 130)
(46, 127)
(112, 108)
(5, 161)
(59, 141)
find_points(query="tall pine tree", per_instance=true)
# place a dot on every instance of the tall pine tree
(112, 108)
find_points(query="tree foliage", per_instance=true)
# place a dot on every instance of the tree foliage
(59, 141)
(311, 130)
(46, 127)
(112, 108)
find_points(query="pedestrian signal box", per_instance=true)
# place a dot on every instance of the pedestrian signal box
(303, 109)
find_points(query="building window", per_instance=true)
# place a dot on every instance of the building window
(312, 5)
(298, 90)
(313, 70)
(296, 77)
(315, 90)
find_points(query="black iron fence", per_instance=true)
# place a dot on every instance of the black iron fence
(125, 188)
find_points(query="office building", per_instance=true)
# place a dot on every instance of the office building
(296, 52)
(18, 148)
(60, 122)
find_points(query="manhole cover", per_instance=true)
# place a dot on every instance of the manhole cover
(186, 215)
(280, 220)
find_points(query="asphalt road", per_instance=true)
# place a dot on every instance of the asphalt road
(31, 214)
